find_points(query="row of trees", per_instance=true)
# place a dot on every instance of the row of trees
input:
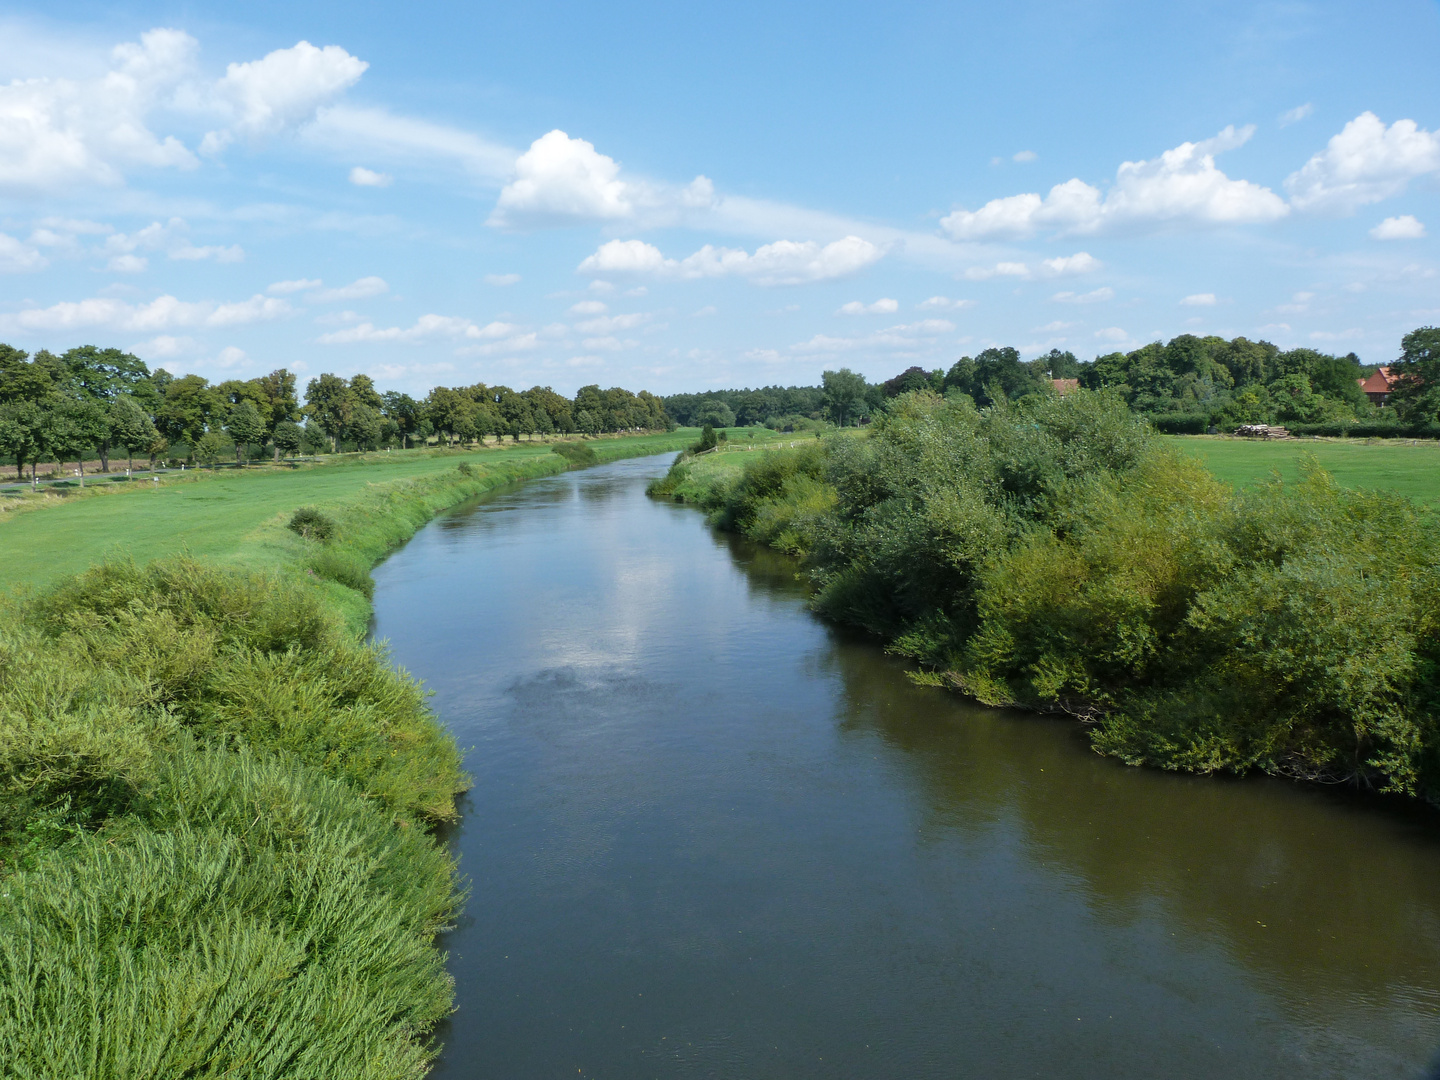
(1205, 379)
(91, 401)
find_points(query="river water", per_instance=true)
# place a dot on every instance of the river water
(712, 836)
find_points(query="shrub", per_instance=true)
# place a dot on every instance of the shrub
(311, 524)
(344, 567)
(577, 455)
(465, 469)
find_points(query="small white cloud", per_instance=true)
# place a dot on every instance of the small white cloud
(231, 357)
(1025, 156)
(1295, 115)
(1000, 269)
(127, 264)
(163, 347)
(1299, 304)
(1273, 326)
(589, 307)
(363, 177)
(1202, 299)
(282, 89)
(605, 325)
(190, 253)
(501, 280)
(1054, 327)
(883, 306)
(1093, 297)
(285, 288)
(944, 303)
(162, 313)
(785, 262)
(1404, 227)
(17, 257)
(637, 291)
(1082, 262)
(708, 309)
(1365, 163)
(426, 327)
(1112, 334)
(356, 290)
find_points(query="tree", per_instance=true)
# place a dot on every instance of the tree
(364, 426)
(279, 390)
(21, 379)
(328, 402)
(714, 413)
(912, 378)
(101, 375)
(73, 426)
(207, 449)
(130, 426)
(287, 436)
(189, 406)
(844, 389)
(1416, 387)
(246, 427)
(22, 425)
(404, 411)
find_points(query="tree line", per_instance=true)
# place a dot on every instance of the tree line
(1189, 383)
(99, 402)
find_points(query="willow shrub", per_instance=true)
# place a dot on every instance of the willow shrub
(1054, 554)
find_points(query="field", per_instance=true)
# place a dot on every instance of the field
(238, 517)
(1412, 469)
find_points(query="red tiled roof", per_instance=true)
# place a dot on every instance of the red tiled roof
(1064, 386)
(1378, 383)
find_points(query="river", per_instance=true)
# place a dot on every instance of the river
(713, 836)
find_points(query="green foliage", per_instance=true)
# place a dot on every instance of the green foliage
(311, 523)
(577, 455)
(344, 567)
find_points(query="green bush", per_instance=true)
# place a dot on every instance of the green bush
(311, 524)
(577, 455)
(345, 567)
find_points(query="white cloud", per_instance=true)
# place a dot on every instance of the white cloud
(944, 303)
(560, 178)
(501, 280)
(363, 177)
(231, 357)
(356, 290)
(376, 133)
(1112, 334)
(1299, 304)
(1093, 297)
(164, 347)
(1365, 163)
(1054, 327)
(607, 324)
(1082, 262)
(285, 288)
(883, 306)
(173, 238)
(1024, 157)
(162, 313)
(1181, 185)
(425, 327)
(1404, 227)
(1201, 299)
(1295, 115)
(282, 89)
(785, 262)
(17, 257)
(907, 337)
(127, 264)
(589, 307)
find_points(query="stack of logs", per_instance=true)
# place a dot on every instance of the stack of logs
(1262, 431)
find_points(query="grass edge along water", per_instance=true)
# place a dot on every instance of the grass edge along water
(216, 804)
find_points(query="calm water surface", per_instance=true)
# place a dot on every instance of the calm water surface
(711, 836)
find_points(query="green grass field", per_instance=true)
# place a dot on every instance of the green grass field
(239, 517)
(1411, 469)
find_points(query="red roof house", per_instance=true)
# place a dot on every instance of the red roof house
(1064, 386)
(1377, 386)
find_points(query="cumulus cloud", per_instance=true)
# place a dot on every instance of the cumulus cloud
(944, 303)
(1365, 163)
(907, 337)
(785, 262)
(1180, 186)
(604, 325)
(127, 264)
(1024, 157)
(172, 238)
(162, 313)
(58, 132)
(282, 89)
(425, 327)
(589, 307)
(17, 257)
(1112, 334)
(560, 180)
(1082, 262)
(883, 306)
(1095, 296)
(356, 290)
(1201, 299)
(501, 280)
(1404, 227)
(363, 177)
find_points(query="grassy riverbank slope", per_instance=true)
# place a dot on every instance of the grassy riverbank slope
(1057, 554)
(215, 798)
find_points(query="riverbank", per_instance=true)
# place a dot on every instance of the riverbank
(1058, 556)
(216, 800)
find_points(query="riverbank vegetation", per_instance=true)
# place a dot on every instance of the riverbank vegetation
(217, 802)
(1057, 554)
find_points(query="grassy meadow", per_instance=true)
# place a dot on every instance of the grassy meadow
(1409, 468)
(238, 516)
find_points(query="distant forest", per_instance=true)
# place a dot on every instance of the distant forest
(1188, 384)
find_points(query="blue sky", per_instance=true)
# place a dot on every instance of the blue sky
(675, 198)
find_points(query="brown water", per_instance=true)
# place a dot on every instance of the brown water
(712, 836)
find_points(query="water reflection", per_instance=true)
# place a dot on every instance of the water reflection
(711, 836)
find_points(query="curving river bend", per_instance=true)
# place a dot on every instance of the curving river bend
(712, 836)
